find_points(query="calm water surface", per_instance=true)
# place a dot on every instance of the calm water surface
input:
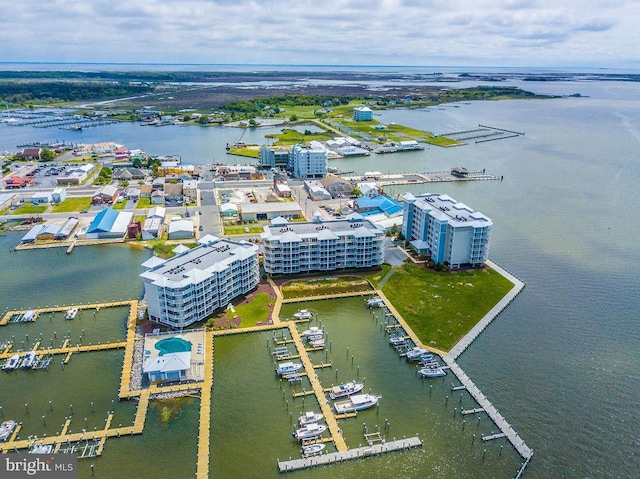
(560, 363)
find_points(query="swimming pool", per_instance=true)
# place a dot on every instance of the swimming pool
(173, 345)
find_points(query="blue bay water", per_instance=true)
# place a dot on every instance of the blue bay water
(561, 362)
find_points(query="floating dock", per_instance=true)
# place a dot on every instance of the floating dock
(348, 455)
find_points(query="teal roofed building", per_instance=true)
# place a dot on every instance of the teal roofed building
(378, 204)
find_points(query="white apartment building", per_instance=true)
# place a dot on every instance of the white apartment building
(308, 161)
(322, 246)
(191, 286)
(448, 231)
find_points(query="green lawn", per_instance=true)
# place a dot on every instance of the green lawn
(29, 209)
(290, 137)
(442, 307)
(240, 229)
(120, 206)
(323, 286)
(144, 203)
(72, 205)
(376, 276)
(255, 311)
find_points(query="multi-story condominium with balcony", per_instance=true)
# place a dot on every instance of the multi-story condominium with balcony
(449, 232)
(362, 113)
(190, 286)
(308, 161)
(322, 246)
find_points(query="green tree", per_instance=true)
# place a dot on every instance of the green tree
(47, 155)
(252, 123)
(356, 192)
(293, 118)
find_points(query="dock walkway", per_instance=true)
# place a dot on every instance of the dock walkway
(492, 412)
(202, 467)
(348, 455)
(310, 369)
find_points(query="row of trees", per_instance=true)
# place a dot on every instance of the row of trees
(21, 93)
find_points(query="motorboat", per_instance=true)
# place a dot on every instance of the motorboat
(28, 360)
(317, 342)
(432, 372)
(71, 313)
(310, 417)
(355, 403)
(425, 359)
(397, 340)
(414, 354)
(309, 431)
(6, 428)
(346, 389)
(374, 303)
(312, 331)
(29, 316)
(312, 449)
(303, 314)
(288, 368)
(12, 362)
(41, 449)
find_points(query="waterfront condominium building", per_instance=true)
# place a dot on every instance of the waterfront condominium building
(190, 286)
(449, 232)
(308, 161)
(322, 246)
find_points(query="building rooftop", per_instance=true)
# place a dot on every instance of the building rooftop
(445, 208)
(199, 263)
(326, 230)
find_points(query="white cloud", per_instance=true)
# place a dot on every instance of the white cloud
(402, 32)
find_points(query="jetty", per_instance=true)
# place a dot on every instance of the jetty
(348, 455)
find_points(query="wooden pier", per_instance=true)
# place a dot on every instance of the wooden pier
(348, 455)
(310, 369)
(492, 412)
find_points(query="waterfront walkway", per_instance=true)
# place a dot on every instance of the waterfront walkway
(310, 369)
(348, 455)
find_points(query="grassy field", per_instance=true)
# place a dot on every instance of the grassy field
(144, 203)
(240, 229)
(376, 276)
(120, 206)
(250, 151)
(290, 137)
(255, 311)
(70, 205)
(324, 286)
(442, 307)
(29, 209)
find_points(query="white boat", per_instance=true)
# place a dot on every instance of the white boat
(28, 360)
(29, 316)
(12, 362)
(396, 340)
(71, 313)
(41, 449)
(6, 428)
(346, 389)
(317, 342)
(416, 353)
(310, 417)
(303, 314)
(309, 431)
(288, 368)
(431, 372)
(356, 403)
(375, 303)
(312, 449)
(312, 331)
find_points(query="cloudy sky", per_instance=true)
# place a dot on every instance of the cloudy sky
(571, 33)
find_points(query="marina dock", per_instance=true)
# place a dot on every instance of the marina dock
(327, 412)
(348, 455)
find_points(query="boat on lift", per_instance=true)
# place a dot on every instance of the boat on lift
(310, 417)
(11, 363)
(355, 403)
(71, 313)
(309, 431)
(312, 449)
(346, 389)
(288, 368)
